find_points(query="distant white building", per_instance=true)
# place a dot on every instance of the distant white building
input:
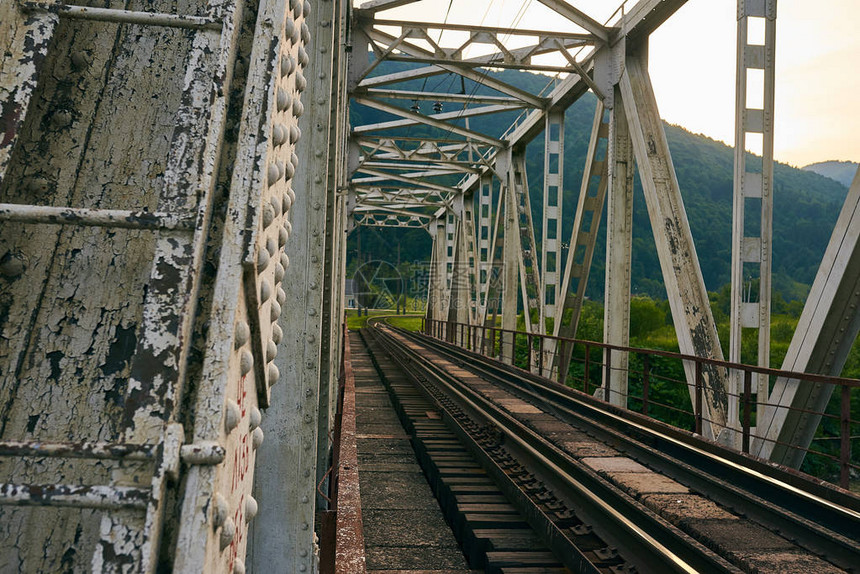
(349, 292)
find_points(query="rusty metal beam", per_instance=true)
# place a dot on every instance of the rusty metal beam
(349, 536)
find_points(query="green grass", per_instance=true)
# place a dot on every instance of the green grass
(406, 322)
(354, 322)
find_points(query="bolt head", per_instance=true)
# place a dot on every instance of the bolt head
(232, 415)
(61, 119)
(242, 334)
(251, 508)
(265, 291)
(283, 100)
(246, 362)
(263, 258)
(276, 311)
(219, 510)
(228, 532)
(81, 60)
(257, 437)
(12, 266)
(268, 215)
(274, 374)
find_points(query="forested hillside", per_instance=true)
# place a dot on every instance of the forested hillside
(805, 204)
(841, 171)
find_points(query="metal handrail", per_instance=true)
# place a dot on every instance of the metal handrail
(483, 339)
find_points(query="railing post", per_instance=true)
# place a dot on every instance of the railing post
(587, 365)
(646, 382)
(529, 343)
(698, 406)
(608, 375)
(540, 355)
(560, 350)
(745, 440)
(845, 437)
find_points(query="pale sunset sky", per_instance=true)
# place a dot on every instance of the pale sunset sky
(692, 64)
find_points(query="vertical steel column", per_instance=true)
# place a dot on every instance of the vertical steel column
(470, 258)
(552, 209)
(458, 311)
(436, 283)
(526, 256)
(493, 286)
(286, 476)
(485, 242)
(450, 246)
(751, 244)
(510, 258)
(619, 249)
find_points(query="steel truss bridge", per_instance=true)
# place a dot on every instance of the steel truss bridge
(177, 182)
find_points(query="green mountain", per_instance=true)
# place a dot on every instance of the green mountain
(841, 171)
(806, 204)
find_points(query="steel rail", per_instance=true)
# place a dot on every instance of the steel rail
(649, 541)
(818, 516)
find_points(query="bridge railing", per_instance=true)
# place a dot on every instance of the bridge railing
(658, 388)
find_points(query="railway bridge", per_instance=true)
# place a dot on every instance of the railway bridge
(178, 392)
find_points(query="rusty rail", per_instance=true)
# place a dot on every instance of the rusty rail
(348, 556)
(483, 340)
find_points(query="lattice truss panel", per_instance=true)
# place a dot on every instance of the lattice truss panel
(447, 109)
(448, 134)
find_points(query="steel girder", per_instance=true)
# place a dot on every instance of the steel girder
(688, 298)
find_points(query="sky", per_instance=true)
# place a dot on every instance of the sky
(692, 66)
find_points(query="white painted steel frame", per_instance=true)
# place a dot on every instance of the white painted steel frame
(619, 250)
(553, 190)
(825, 333)
(688, 298)
(752, 184)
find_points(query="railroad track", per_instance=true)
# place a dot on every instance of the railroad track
(599, 487)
